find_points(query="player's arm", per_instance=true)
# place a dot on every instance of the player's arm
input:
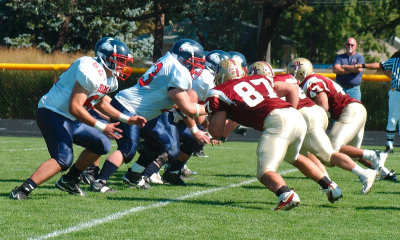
(106, 108)
(182, 100)
(288, 90)
(78, 98)
(217, 124)
(322, 100)
(195, 98)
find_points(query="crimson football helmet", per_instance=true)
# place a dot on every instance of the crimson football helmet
(228, 69)
(261, 68)
(114, 55)
(300, 68)
(191, 55)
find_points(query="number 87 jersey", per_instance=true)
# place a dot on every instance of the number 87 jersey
(246, 100)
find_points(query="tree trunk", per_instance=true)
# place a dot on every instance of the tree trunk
(63, 35)
(158, 31)
(269, 22)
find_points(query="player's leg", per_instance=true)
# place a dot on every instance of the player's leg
(125, 152)
(56, 131)
(271, 151)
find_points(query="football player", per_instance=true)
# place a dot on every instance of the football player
(349, 114)
(316, 140)
(163, 85)
(63, 117)
(180, 136)
(254, 101)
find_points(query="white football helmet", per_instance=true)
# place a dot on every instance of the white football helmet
(228, 69)
(300, 68)
(261, 68)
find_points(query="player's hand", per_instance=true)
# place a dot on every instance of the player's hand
(215, 142)
(138, 120)
(201, 137)
(112, 131)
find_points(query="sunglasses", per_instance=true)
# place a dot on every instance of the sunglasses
(350, 45)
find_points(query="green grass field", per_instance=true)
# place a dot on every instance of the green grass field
(224, 201)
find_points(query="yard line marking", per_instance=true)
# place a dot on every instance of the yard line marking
(119, 215)
(23, 149)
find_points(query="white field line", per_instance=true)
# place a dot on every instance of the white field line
(121, 214)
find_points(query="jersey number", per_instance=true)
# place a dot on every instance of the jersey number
(147, 78)
(250, 95)
(88, 103)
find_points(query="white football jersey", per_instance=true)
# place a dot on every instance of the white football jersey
(149, 96)
(203, 83)
(91, 76)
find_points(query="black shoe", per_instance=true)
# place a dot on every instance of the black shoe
(173, 178)
(389, 149)
(18, 194)
(135, 179)
(21, 192)
(99, 185)
(391, 176)
(88, 176)
(70, 187)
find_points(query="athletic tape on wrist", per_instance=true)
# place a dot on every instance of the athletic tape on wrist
(123, 118)
(100, 125)
(194, 129)
(197, 110)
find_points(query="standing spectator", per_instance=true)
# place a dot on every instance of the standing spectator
(348, 77)
(393, 65)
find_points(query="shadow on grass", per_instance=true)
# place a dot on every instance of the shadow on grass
(237, 204)
(378, 208)
(234, 175)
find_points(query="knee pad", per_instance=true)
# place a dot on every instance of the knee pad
(100, 146)
(64, 158)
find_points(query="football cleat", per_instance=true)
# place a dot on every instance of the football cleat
(389, 149)
(368, 180)
(70, 187)
(135, 179)
(391, 176)
(155, 178)
(288, 200)
(186, 172)
(379, 159)
(99, 185)
(88, 176)
(173, 178)
(18, 194)
(200, 154)
(333, 192)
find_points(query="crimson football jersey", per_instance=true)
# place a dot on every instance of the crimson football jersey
(246, 100)
(337, 98)
(304, 101)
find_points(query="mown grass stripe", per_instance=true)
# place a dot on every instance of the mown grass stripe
(121, 214)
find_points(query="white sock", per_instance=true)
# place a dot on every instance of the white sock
(389, 144)
(368, 154)
(385, 171)
(359, 171)
(326, 175)
(137, 168)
